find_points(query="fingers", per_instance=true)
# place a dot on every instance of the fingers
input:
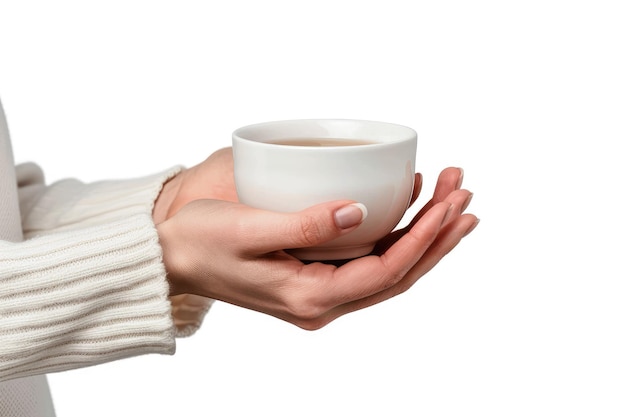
(363, 277)
(448, 238)
(408, 250)
(417, 188)
(267, 231)
(367, 281)
(449, 180)
(459, 199)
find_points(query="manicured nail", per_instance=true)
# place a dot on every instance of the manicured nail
(472, 227)
(350, 215)
(467, 202)
(460, 180)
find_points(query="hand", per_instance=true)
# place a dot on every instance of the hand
(211, 179)
(220, 249)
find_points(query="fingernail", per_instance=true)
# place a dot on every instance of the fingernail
(472, 227)
(460, 180)
(350, 215)
(467, 202)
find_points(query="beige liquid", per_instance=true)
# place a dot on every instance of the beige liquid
(320, 142)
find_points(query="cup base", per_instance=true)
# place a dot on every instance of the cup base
(332, 254)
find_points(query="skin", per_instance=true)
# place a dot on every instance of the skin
(215, 247)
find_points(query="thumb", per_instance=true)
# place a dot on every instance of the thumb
(315, 225)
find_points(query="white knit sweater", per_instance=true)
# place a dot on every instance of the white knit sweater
(87, 284)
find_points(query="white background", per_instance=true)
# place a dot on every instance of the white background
(526, 317)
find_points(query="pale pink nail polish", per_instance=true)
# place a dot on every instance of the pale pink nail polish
(350, 215)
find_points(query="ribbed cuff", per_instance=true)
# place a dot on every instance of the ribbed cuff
(73, 299)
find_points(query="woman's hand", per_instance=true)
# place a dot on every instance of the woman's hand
(217, 248)
(212, 179)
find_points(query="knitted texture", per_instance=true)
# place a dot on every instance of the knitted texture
(70, 205)
(96, 297)
(86, 285)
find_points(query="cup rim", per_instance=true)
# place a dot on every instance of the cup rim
(259, 132)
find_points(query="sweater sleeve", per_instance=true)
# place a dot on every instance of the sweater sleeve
(87, 285)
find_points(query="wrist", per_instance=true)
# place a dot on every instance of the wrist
(166, 198)
(169, 258)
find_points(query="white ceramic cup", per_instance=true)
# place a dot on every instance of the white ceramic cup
(290, 178)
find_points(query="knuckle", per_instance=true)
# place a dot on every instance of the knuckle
(306, 313)
(310, 231)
